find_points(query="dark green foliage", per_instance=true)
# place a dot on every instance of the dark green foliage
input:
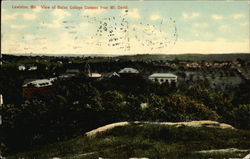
(183, 108)
(241, 116)
(80, 104)
(148, 140)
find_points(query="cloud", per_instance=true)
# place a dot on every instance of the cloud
(59, 13)
(29, 16)
(83, 25)
(219, 45)
(244, 24)
(238, 16)
(217, 17)
(54, 24)
(17, 26)
(92, 12)
(37, 9)
(201, 25)
(68, 44)
(133, 14)
(190, 15)
(58, 16)
(150, 30)
(9, 16)
(155, 17)
(202, 34)
(224, 28)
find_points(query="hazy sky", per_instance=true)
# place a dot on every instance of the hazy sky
(140, 27)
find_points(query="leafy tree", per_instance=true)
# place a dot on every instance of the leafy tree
(183, 108)
(113, 103)
(155, 110)
(241, 116)
(214, 100)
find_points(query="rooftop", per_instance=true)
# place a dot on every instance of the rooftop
(94, 75)
(128, 70)
(40, 83)
(162, 75)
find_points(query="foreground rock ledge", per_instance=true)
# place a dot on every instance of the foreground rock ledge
(201, 123)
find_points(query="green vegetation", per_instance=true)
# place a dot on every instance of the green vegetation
(80, 104)
(148, 140)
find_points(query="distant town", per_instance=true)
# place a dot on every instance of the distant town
(222, 75)
(53, 99)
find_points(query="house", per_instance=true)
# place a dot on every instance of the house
(110, 75)
(65, 76)
(73, 71)
(21, 68)
(32, 68)
(38, 87)
(29, 67)
(69, 73)
(129, 72)
(163, 77)
(94, 75)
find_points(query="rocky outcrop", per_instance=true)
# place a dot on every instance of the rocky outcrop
(202, 123)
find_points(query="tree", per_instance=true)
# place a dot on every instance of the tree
(241, 116)
(183, 108)
(114, 105)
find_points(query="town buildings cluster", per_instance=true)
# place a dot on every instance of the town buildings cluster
(34, 87)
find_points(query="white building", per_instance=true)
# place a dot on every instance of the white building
(40, 83)
(110, 75)
(94, 75)
(32, 68)
(21, 68)
(163, 77)
(73, 71)
(129, 70)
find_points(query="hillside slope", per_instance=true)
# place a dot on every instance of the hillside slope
(152, 140)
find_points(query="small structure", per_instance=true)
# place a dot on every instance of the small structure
(129, 72)
(110, 75)
(32, 68)
(21, 68)
(94, 75)
(28, 67)
(163, 77)
(90, 74)
(66, 76)
(38, 87)
(73, 71)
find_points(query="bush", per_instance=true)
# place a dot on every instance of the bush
(241, 116)
(183, 108)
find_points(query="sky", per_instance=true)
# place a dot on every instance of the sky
(131, 27)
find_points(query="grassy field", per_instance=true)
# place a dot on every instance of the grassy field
(149, 140)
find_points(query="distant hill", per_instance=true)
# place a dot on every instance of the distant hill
(151, 57)
(191, 57)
